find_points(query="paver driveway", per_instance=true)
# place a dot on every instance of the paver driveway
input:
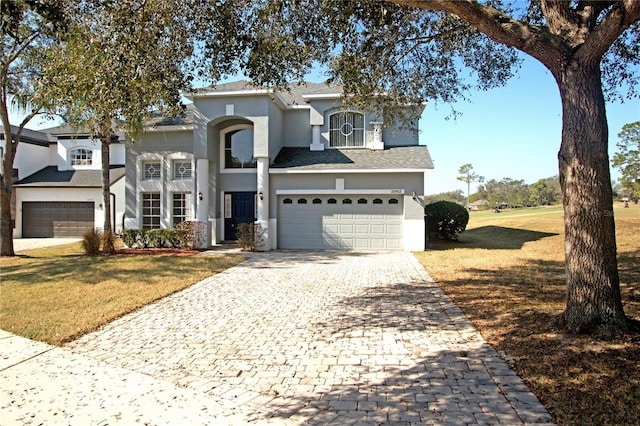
(319, 338)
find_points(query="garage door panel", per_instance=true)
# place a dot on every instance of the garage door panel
(57, 219)
(340, 226)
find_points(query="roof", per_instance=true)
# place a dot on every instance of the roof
(294, 94)
(50, 176)
(158, 119)
(400, 157)
(34, 137)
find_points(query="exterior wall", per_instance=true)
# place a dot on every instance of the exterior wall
(395, 135)
(276, 126)
(57, 194)
(29, 159)
(64, 148)
(166, 147)
(297, 130)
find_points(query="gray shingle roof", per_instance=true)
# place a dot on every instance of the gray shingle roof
(400, 157)
(292, 95)
(51, 177)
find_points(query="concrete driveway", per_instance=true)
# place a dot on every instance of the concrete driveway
(22, 244)
(295, 338)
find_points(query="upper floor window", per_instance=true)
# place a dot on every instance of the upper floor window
(81, 157)
(238, 149)
(181, 169)
(151, 170)
(346, 130)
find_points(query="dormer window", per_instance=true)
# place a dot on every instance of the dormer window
(81, 157)
(346, 130)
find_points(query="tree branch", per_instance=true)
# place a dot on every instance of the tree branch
(533, 40)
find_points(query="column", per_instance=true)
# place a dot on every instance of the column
(262, 223)
(316, 143)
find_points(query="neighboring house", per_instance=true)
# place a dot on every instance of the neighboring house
(58, 192)
(311, 174)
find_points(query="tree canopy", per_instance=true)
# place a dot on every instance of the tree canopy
(627, 159)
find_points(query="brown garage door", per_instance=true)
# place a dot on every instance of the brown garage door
(56, 219)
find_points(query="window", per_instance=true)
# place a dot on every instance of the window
(151, 170)
(81, 157)
(181, 207)
(317, 201)
(347, 201)
(393, 201)
(302, 201)
(362, 201)
(181, 169)
(150, 210)
(346, 130)
(377, 201)
(238, 149)
(332, 201)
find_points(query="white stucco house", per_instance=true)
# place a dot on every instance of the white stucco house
(58, 190)
(310, 173)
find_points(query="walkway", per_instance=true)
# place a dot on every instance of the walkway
(283, 338)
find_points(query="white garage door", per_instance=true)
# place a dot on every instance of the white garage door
(371, 222)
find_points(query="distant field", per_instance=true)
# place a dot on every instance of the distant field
(507, 274)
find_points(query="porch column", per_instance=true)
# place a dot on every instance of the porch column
(202, 202)
(316, 144)
(262, 224)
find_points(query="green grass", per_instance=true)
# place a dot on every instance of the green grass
(57, 294)
(507, 274)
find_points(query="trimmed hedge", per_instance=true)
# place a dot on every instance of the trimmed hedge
(182, 236)
(445, 220)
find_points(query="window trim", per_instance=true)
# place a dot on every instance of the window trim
(223, 138)
(348, 144)
(143, 196)
(186, 207)
(144, 170)
(184, 161)
(83, 149)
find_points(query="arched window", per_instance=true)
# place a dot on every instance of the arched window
(362, 201)
(346, 130)
(332, 201)
(287, 201)
(393, 201)
(347, 201)
(317, 201)
(81, 157)
(377, 201)
(302, 201)
(238, 149)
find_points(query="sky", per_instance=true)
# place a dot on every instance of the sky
(513, 131)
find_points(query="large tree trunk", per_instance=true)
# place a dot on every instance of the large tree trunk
(6, 189)
(593, 292)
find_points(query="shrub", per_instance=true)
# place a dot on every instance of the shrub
(445, 220)
(157, 238)
(91, 242)
(186, 234)
(246, 236)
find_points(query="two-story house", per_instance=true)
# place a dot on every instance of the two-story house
(58, 192)
(310, 173)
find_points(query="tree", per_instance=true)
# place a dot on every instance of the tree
(453, 196)
(627, 159)
(468, 176)
(408, 51)
(543, 192)
(28, 29)
(119, 62)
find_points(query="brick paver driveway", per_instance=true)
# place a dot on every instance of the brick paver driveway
(319, 338)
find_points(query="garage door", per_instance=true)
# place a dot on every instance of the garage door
(56, 219)
(340, 222)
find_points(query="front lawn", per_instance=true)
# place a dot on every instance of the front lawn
(507, 274)
(57, 294)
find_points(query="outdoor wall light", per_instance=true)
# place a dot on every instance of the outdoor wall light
(261, 195)
(413, 195)
(200, 196)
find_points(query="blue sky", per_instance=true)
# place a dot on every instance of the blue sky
(512, 131)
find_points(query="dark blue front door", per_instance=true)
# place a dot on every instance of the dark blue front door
(242, 211)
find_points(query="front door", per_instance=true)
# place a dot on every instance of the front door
(241, 208)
